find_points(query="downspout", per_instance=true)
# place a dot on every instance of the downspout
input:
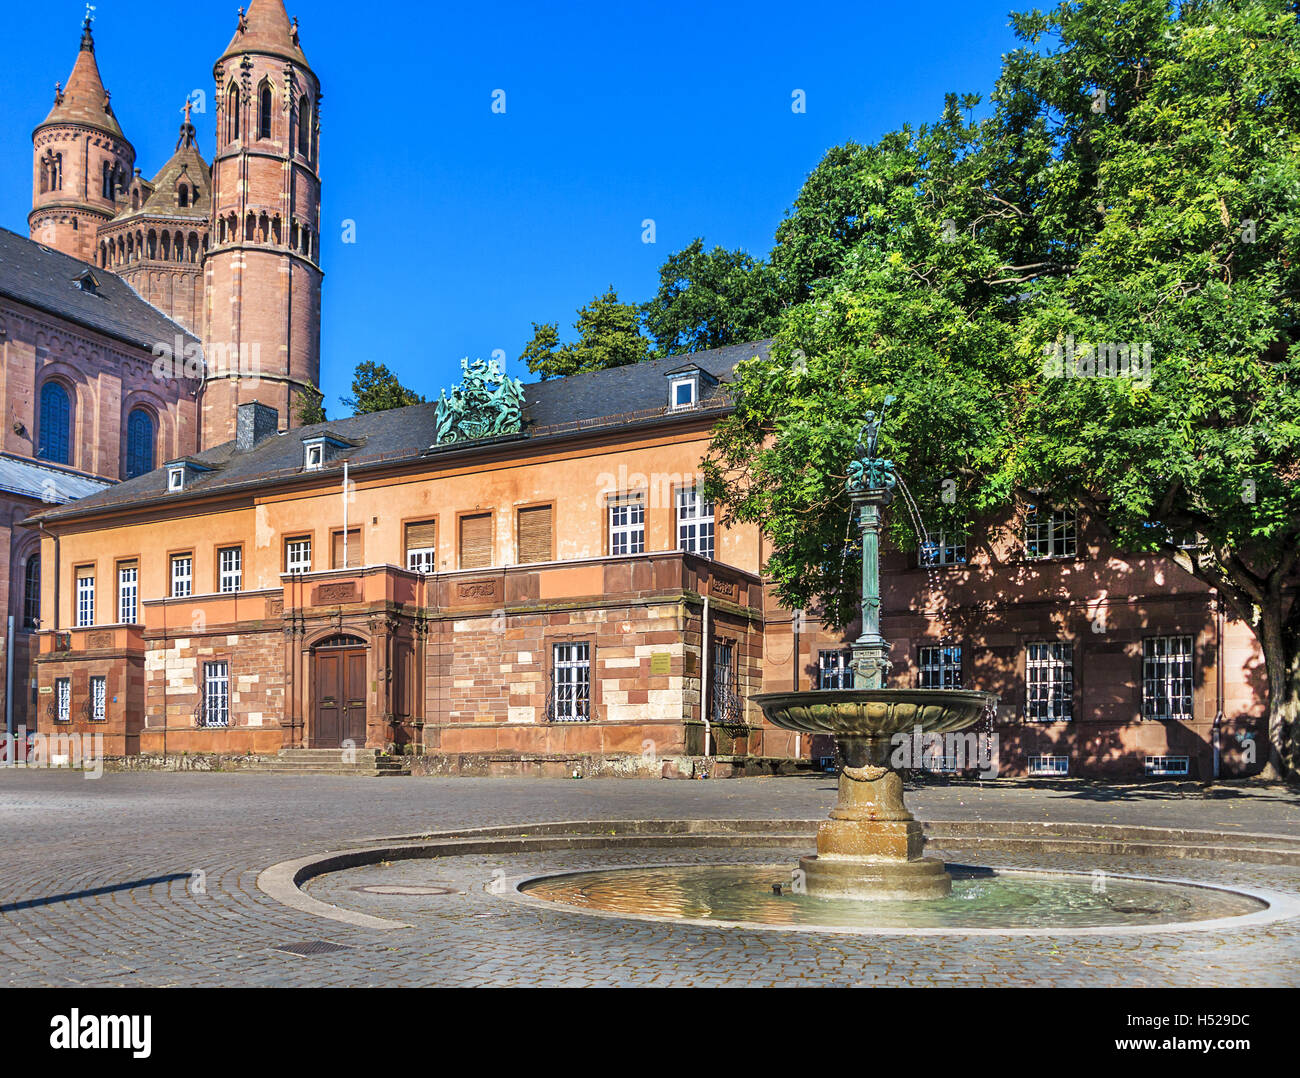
(9, 684)
(704, 679)
(345, 515)
(1219, 685)
(794, 627)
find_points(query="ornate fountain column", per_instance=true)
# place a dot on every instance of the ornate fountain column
(870, 848)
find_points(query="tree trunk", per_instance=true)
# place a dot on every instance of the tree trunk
(1279, 639)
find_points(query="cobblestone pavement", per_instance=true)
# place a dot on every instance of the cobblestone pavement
(95, 887)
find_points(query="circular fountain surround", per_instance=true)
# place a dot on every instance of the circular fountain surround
(983, 900)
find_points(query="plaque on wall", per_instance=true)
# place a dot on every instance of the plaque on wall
(728, 589)
(661, 664)
(479, 591)
(99, 640)
(342, 592)
(274, 608)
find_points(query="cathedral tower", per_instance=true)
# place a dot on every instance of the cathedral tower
(263, 279)
(81, 161)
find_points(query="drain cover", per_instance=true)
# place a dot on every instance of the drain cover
(398, 889)
(311, 947)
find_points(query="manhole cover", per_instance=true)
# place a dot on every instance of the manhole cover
(311, 947)
(398, 889)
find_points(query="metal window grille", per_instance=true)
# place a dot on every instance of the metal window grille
(834, 669)
(571, 683)
(214, 701)
(726, 705)
(297, 556)
(1167, 678)
(695, 523)
(98, 699)
(1049, 765)
(128, 593)
(182, 577)
(1050, 534)
(231, 563)
(63, 699)
(939, 667)
(1049, 677)
(627, 526)
(1167, 765)
(85, 601)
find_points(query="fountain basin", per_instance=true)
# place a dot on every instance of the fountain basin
(870, 848)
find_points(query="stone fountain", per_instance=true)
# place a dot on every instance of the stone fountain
(870, 847)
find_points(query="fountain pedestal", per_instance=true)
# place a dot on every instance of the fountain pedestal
(871, 845)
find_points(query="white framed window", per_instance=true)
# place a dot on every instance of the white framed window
(423, 560)
(1168, 765)
(695, 525)
(182, 576)
(85, 598)
(63, 699)
(1051, 533)
(230, 562)
(682, 392)
(297, 556)
(1047, 766)
(939, 667)
(176, 478)
(835, 669)
(314, 457)
(1049, 682)
(99, 699)
(571, 681)
(128, 593)
(627, 525)
(216, 694)
(944, 549)
(1167, 678)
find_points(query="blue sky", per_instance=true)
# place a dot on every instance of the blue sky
(472, 225)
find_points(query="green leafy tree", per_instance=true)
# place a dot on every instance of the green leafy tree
(609, 335)
(1136, 184)
(708, 299)
(376, 389)
(310, 407)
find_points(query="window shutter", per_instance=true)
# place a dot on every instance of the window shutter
(354, 549)
(534, 534)
(476, 541)
(421, 536)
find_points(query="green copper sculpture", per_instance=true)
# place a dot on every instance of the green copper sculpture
(486, 404)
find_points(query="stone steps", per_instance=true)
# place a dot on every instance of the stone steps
(354, 762)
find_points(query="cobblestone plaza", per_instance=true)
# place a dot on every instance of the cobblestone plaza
(169, 896)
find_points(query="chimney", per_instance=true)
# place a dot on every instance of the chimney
(254, 422)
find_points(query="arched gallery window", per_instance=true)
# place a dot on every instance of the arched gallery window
(139, 443)
(56, 424)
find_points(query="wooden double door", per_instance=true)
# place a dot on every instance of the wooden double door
(340, 695)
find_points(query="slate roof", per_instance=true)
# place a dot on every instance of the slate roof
(629, 396)
(40, 277)
(45, 482)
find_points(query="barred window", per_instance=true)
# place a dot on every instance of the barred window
(1050, 533)
(1167, 678)
(216, 694)
(63, 699)
(230, 561)
(98, 699)
(695, 525)
(182, 576)
(1049, 677)
(627, 525)
(725, 700)
(939, 667)
(834, 669)
(571, 677)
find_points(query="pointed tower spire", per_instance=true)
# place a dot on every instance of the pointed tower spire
(266, 30)
(78, 179)
(84, 99)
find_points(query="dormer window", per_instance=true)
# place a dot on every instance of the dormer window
(88, 283)
(180, 472)
(319, 449)
(687, 386)
(182, 196)
(176, 478)
(315, 457)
